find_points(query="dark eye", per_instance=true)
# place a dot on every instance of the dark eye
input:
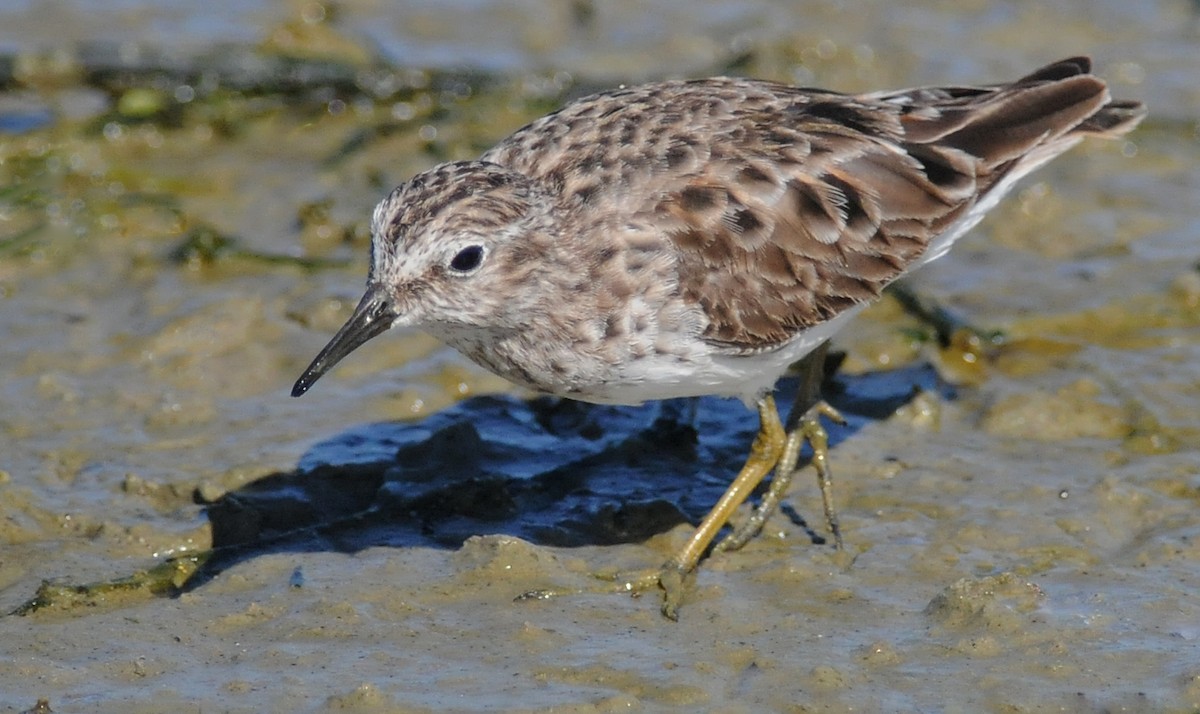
(467, 259)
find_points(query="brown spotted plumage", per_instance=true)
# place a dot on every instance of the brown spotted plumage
(698, 237)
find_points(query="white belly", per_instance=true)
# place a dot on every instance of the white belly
(709, 372)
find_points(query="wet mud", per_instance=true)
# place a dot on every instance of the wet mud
(181, 228)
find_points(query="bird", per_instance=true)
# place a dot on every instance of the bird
(699, 237)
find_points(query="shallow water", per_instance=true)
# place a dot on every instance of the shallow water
(1022, 531)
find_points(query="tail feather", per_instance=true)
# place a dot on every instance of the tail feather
(1062, 69)
(1021, 117)
(1114, 119)
(1000, 122)
(1006, 131)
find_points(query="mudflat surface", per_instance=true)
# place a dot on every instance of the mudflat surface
(183, 206)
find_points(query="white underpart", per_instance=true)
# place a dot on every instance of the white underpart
(745, 376)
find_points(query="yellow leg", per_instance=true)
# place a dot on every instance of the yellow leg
(807, 428)
(764, 454)
(766, 451)
(811, 428)
(780, 482)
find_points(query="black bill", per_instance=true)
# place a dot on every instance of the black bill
(373, 315)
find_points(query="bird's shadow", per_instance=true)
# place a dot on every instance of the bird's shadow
(550, 471)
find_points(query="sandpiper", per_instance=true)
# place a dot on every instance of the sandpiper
(690, 238)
